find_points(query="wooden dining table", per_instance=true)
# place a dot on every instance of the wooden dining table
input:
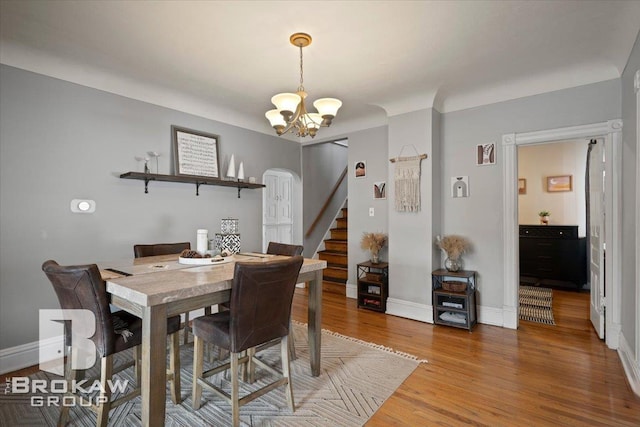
(154, 288)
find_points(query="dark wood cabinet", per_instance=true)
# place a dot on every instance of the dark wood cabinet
(553, 252)
(373, 285)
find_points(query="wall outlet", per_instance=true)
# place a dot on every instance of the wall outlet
(371, 212)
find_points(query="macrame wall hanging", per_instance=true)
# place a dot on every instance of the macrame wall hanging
(407, 180)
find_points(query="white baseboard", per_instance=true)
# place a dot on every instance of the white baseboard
(410, 310)
(25, 355)
(630, 364)
(352, 291)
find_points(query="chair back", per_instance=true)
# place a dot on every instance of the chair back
(260, 305)
(82, 287)
(275, 248)
(140, 251)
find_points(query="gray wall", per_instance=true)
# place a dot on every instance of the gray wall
(371, 146)
(479, 216)
(630, 311)
(322, 165)
(60, 141)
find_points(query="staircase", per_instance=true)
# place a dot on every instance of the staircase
(335, 253)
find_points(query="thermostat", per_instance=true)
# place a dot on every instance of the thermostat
(83, 206)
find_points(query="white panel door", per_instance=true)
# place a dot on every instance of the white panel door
(596, 237)
(277, 222)
(270, 215)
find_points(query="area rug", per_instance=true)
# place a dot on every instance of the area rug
(356, 378)
(536, 305)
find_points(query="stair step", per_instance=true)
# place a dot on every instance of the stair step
(339, 233)
(334, 287)
(336, 273)
(341, 222)
(332, 257)
(335, 245)
(345, 212)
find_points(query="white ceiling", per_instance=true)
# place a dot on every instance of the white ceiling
(225, 59)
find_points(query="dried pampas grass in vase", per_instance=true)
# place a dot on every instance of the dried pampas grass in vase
(373, 242)
(454, 246)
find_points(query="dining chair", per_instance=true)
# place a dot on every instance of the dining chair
(82, 287)
(259, 312)
(154, 249)
(275, 248)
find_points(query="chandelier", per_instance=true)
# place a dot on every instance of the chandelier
(290, 114)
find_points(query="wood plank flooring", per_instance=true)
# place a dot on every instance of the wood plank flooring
(539, 375)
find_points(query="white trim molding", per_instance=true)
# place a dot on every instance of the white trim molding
(630, 366)
(636, 87)
(611, 131)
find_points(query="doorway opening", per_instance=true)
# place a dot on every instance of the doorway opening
(554, 224)
(611, 133)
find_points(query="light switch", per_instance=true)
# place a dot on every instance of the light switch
(371, 212)
(83, 206)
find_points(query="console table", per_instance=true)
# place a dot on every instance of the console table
(553, 252)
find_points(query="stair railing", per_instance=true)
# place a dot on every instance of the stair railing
(326, 203)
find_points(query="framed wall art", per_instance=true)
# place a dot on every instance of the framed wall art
(522, 186)
(361, 169)
(459, 187)
(486, 154)
(380, 190)
(195, 152)
(559, 183)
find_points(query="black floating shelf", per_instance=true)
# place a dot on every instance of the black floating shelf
(190, 179)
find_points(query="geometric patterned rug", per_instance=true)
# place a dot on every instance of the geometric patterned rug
(356, 378)
(535, 304)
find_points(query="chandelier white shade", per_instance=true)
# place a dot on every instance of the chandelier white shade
(290, 114)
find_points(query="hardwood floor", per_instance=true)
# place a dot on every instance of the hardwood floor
(539, 375)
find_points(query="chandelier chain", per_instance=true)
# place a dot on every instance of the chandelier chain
(301, 71)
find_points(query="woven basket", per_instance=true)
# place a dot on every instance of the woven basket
(374, 277)
(454, 286)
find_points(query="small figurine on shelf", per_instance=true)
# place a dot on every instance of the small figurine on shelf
(373, 242)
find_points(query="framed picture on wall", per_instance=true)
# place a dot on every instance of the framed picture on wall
(380, 190)
(522, 186)
(360, 169)
(486, 154)
(559, 183)
(195, 153)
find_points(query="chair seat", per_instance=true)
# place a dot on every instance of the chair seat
(133, 324)
(213, 327)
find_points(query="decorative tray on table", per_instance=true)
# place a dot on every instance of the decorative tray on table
(194, 258)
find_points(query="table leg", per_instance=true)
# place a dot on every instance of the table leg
(154, 361)
(315, 322)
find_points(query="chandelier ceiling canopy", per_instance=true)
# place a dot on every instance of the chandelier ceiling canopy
(290, 114)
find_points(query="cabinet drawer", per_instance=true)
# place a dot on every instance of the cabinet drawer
(549, 231)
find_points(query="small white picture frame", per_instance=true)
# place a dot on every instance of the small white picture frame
(459, 186)
(360, 169)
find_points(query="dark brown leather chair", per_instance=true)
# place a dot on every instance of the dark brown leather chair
(154, 249)
(259, 312)
(140, 251)
(82, 287)
(275, 248)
